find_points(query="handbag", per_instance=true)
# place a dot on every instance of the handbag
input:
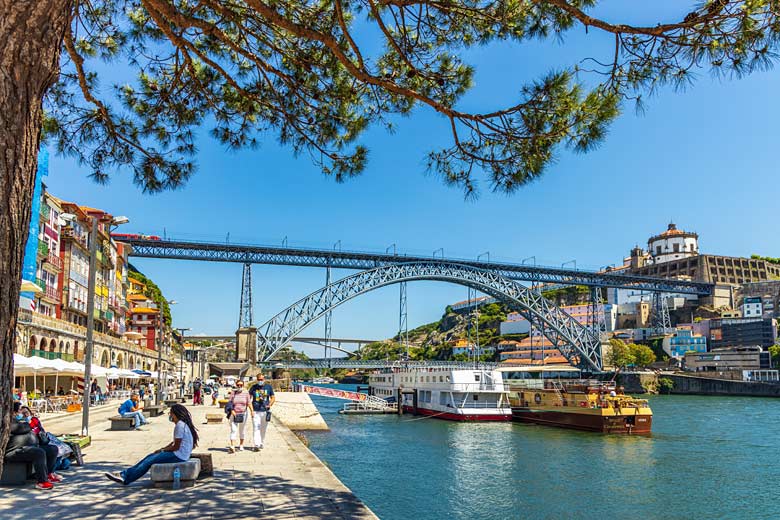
(238, 418)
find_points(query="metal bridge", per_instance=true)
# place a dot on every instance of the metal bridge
(337, 259)
(579, 344)
(358, 364)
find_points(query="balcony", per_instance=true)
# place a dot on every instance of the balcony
(45, 211)
(54, 260)
(52, 355)
(40, 283)
(53, 293)
(43, 249)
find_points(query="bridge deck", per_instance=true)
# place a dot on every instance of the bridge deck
(274, 255)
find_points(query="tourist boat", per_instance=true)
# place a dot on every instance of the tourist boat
(540, 395)
(445, 393)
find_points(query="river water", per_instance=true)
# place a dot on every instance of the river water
(709, 457)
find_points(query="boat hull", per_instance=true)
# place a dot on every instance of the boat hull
(613, 424)
(450, 416)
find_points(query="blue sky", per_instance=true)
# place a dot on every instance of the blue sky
(705, 158)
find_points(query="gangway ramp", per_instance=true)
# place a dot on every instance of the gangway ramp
(359, 403)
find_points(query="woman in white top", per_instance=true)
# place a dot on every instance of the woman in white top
(185, 438)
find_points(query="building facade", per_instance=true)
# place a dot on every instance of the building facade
(739, 332)
(684, 340)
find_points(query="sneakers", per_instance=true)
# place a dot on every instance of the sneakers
(44, 485)
(53, 477)
(240, 448)
(116, 477)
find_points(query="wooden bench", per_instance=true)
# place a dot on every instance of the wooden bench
(154, 410)
(162, 474)
(119, 423)
(16, 473)
(214, 418)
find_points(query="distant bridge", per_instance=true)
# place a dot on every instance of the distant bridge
(368, 365)
(274, 255)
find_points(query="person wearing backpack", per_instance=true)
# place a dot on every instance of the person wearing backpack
(240, 403)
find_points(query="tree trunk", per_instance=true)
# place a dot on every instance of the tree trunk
(31, 33)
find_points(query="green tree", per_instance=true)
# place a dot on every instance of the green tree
(620, 355)
(642, 354)
(774, 351)
(316, 74)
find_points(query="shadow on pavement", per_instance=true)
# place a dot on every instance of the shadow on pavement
(229, 494)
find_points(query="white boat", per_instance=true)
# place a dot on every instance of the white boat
(323, 380)
(446, 393)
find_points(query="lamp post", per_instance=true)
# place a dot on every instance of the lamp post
(181, 353)
(159, 351)
(88, 348)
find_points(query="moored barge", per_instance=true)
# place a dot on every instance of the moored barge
(589, 405)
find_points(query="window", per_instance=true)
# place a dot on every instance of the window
(676, 248)
(476, 378)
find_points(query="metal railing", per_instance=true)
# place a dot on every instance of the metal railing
(45, 354)
(54, 260)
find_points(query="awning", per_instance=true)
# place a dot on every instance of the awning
(28, 286)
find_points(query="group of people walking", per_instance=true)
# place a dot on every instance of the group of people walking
(254, 405)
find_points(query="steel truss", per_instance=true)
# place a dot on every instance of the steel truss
(359, 260)
(577, 343)
(245, 313)
(358, 364)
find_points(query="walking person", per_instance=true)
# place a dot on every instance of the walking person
(185, 438)
(239, 403)
(263, 399)
(131, 408)
(197, 397)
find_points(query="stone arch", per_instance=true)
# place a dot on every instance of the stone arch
(62, 347)
(33, 343)
(53, 345)
(43, 345)
(104, 362)
(577, 343)
(76, 349)
(67, 347)
(120, 360)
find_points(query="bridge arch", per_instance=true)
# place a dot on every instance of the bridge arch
(577, 343)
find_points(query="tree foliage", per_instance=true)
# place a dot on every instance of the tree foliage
(620, 356)
(317, 73)
(643, 355)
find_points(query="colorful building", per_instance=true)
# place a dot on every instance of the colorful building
(684, 340)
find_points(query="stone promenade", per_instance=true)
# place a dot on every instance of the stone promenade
(284, 480)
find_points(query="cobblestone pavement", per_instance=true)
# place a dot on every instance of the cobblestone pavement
(284, 480)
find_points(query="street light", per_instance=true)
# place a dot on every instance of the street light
(115, 221)
(181, 353)
(159, 351)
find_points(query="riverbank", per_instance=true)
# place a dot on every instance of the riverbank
(284, 480)
(684, 384)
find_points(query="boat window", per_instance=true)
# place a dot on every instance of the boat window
(476, 377)
(476, 397)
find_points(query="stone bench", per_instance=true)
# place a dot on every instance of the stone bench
(162, 474)
(214, 418)
(206, 464)
(119, 423)
(171, 402)
(154, 410)
(16, 473)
